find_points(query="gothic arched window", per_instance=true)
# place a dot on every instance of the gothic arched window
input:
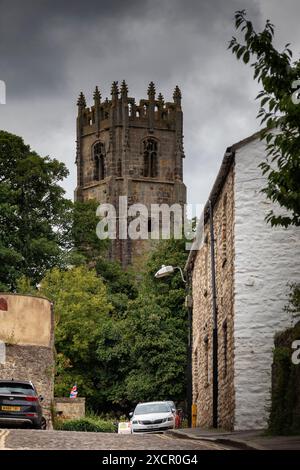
(99, 161)
(150, 158)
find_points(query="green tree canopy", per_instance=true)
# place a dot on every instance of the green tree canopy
(82, 309)
(156, 328)
(86, 246)
(120, 342)
(158, 351)
(34, 223)
(279, 110)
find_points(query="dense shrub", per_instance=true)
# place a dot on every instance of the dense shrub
(285, 407)
(88, 424)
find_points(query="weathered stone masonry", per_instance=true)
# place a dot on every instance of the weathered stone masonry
(34, 363)
(254, 264)
(133, 150)
(223, 208)
(27, 329)
(266, 260)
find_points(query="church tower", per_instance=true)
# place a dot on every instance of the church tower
(133, 150)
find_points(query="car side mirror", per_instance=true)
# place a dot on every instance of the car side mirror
(130, 414)
(41, 398)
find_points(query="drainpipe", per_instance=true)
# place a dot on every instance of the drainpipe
(215, 319)
(189, 370)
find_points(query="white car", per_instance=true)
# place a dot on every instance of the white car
(152, 417)
(172, 406)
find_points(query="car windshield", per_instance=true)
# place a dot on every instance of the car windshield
(152, 408)
(14, 388)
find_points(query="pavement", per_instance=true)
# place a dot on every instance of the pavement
(251, 440)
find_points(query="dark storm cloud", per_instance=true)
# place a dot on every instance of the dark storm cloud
(51, 50)
(37, 38)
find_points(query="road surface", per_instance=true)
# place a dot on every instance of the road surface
(27, 439)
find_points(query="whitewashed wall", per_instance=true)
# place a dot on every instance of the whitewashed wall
(266, 259)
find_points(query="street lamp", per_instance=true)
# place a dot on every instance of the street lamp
(165, 271)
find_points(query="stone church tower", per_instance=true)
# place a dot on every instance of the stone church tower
(133, 150)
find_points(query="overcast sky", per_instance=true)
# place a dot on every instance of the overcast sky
(51, 50)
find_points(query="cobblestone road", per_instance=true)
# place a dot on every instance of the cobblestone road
(21, 439)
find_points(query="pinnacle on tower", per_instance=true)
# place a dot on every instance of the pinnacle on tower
(124, 88)
(97, 95)
(81, 100)
(151, 90)
(114, 89)
(177, 95)
(160, 99)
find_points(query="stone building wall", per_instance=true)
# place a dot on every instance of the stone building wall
(266, 260)
(27, 330)
(203, 316)
(252, 291)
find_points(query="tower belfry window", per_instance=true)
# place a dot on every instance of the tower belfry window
(150, 158)
(99, 161)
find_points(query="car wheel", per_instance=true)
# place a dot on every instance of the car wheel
(43, 424)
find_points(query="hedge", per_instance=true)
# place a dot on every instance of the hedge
(88, 424)
(285, 407)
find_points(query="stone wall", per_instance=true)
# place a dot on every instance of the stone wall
(69, 408)
(35, 364)
(266, 260)
(27, 330)
(202, 313)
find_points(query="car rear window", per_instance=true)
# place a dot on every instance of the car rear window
(15, 388)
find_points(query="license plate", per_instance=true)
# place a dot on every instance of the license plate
(10, 408)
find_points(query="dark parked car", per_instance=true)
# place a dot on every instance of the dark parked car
(20, 405)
